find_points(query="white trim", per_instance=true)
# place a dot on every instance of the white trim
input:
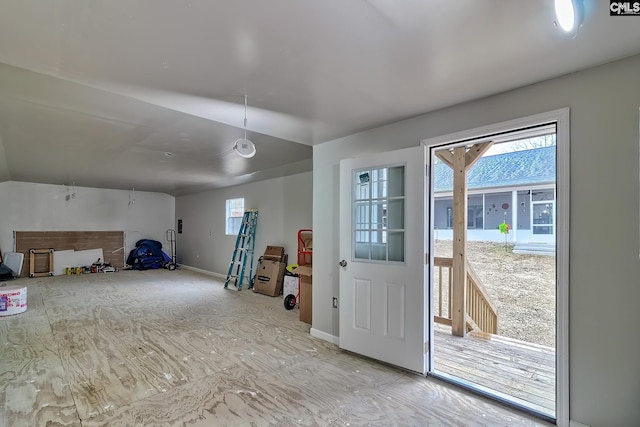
(561, 118)
(563, 141)
(430, 235)
(207, 272)
(325, 336)
(493, 190)
(477, 134)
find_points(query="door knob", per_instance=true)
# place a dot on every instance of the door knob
(343, 263)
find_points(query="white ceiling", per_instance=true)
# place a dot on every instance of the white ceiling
(94, 92)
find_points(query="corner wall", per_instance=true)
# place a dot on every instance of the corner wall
(284, 205)
(26, 206)
(604, 242)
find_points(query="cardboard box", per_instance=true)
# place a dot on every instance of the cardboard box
(268, 279)
(274, 253)
(290, 285)
(305, 274)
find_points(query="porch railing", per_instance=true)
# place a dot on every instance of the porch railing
(481, 312)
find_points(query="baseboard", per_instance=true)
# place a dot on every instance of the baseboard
(576, 424)
(325, 336)
(207, 272)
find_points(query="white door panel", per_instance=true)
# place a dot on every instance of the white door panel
(382, 228)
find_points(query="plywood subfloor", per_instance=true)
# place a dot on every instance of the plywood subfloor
(164, 348)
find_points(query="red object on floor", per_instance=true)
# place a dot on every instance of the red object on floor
(305, 244)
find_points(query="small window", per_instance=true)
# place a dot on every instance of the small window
(379, 214)
(234, 214)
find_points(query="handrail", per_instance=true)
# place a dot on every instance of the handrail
(479, 305)
(481, 312)
(472, 275)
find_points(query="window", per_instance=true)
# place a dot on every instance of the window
(475, 212)
(443, 213)
(234, 214)
(379, 214)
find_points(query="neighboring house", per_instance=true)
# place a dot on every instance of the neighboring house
(517, 188)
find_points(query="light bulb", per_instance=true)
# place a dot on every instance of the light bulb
(566, 15)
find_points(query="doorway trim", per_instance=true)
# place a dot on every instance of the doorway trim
(561, 118)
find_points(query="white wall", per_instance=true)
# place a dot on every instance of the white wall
(4, 170)
(27, 206)
(284, 205)
(604, 242)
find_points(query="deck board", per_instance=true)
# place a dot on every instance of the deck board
(504, 365)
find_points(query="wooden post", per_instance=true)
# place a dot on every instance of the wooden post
(460, 161)
(459, 270)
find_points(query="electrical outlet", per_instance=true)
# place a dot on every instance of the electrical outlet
(335, 302)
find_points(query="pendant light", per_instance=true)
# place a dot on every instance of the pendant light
(244, 147)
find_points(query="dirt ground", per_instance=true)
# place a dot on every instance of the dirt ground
(521, 286)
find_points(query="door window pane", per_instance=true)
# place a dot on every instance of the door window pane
(378, 208)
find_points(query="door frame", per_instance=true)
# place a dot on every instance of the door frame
(561, 118)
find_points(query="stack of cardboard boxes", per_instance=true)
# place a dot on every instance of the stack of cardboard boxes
(270, 272)
(269, 279)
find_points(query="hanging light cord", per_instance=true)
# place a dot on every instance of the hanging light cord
(245, 117)
(243, 146)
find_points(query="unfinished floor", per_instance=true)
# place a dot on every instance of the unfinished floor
(164, 348)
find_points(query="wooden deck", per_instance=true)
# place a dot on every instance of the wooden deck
(499, 365)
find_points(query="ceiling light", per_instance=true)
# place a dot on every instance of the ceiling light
(244, 147)
(569, 14)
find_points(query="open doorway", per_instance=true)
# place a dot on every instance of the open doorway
(494, 277)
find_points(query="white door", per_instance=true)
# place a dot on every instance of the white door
(382, 240)
(543, 215)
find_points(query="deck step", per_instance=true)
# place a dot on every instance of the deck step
(530, 248)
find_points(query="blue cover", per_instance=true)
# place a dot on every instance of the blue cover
(147, 255)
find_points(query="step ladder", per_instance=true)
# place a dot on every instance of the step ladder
(243, 253)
